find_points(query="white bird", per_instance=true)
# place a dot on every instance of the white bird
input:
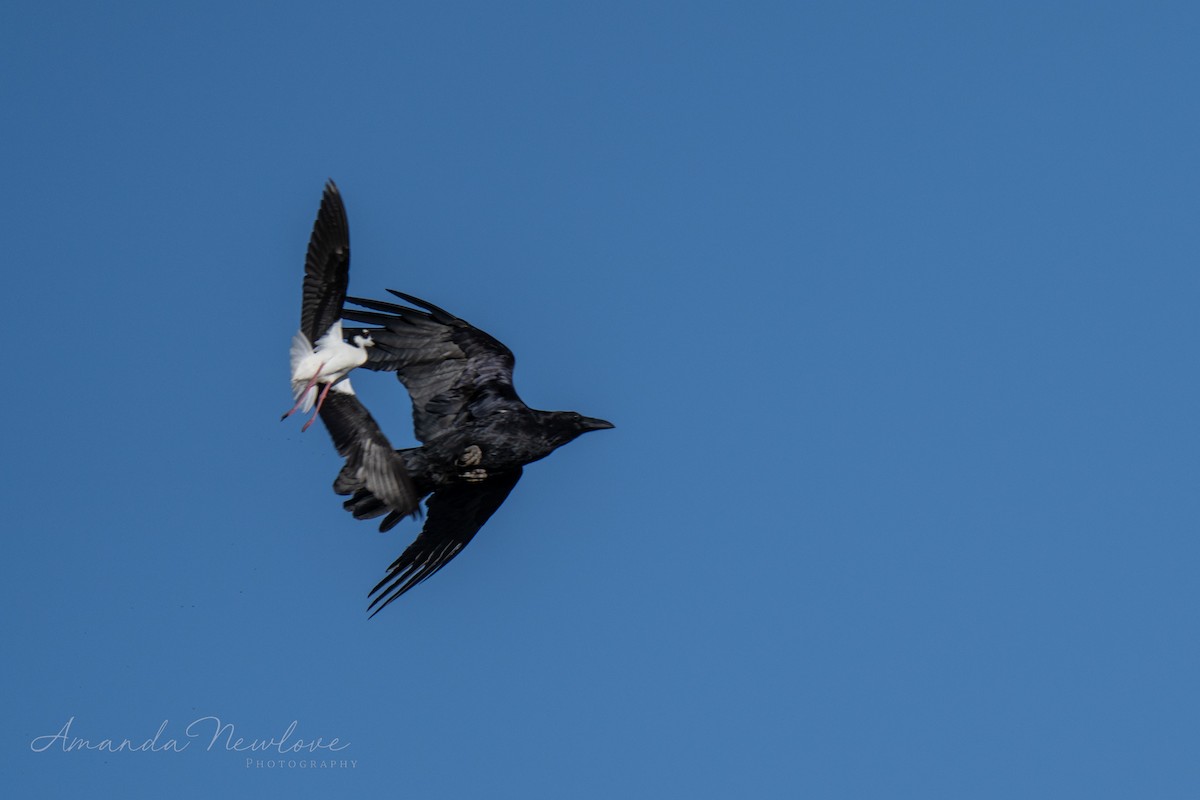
(320, 355)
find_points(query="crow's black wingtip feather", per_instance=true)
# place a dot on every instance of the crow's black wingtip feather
(382, 605)
(447, 317)
(380, 305)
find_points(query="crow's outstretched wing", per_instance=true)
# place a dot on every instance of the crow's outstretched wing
(456, 513)
(326, 267)
(371, 463)
(453, 371)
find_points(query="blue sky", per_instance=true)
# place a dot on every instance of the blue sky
(894, 308)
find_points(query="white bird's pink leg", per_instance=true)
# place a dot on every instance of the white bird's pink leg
(300, 400)
(320, 402)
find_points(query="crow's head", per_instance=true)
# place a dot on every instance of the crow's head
(566, 425)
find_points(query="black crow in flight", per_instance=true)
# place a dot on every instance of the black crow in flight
(476, 433)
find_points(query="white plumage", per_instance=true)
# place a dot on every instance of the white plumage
(328, 364)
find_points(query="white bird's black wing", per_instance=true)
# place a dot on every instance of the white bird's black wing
(326, 267)
(456, 513)
(371, 462)
(453, 371)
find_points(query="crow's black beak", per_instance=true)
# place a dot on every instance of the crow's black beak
(593, 424)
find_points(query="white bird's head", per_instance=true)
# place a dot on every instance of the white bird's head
(363, 341)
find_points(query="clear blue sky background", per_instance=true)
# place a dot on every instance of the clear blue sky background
(894, 306)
